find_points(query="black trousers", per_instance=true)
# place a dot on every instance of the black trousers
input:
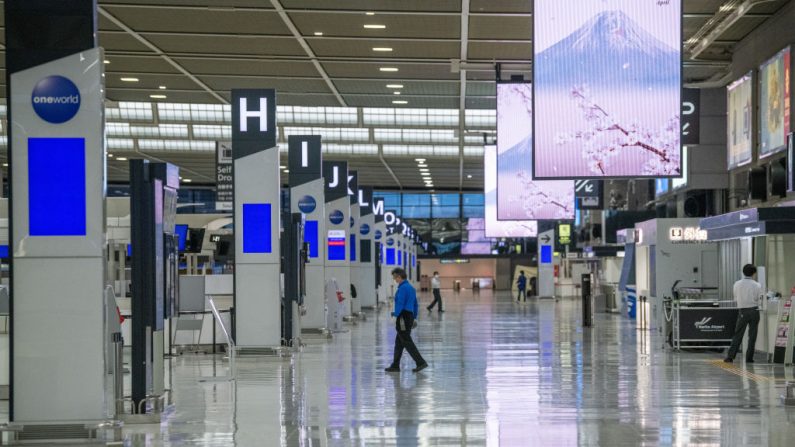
(403, 340)
(748, 317)
(437, 298)
(522, 292)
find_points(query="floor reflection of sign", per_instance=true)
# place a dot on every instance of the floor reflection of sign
(224, 192)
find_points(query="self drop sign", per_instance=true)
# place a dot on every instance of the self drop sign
(55, 99)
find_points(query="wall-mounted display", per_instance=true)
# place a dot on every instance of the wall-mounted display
(607, 80)
(519, 197)
(494, 227)
(774, 107)
(739, 98)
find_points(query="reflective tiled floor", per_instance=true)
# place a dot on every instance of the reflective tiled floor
(501, 374)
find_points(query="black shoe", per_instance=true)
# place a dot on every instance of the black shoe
(728, 360)
(420, 367)
(429, 309)
(392, 369)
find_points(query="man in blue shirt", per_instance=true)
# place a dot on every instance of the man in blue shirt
(521, 284)
(405, 313)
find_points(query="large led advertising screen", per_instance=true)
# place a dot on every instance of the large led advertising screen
(774, 107)
(607, 80)
(739, 96)
(493, 227)
(519, 197)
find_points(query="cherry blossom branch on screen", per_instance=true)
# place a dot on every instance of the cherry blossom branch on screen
(600, 142)
(534, 197)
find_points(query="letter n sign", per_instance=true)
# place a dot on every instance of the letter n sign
(253, 121)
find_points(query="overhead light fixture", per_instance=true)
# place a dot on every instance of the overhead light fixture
(286, 171)
(423, 169)
(395, 93)
(162, 87)
(128, 79)
(382, 49)
(394, 86)
(121, 158)
(5, 165)
(419, 160)
(282, 167)
(369, 13)
(422, 164)
(106, 61)
(469, 175)
(110, 155)
(400, 102)
(157, 96)
(318, 33)
(374, 26)
(390, 69)
(187, 180)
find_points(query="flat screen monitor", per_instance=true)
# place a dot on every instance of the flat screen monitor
(4, 252)
(182, 234)
(195, 240)
(335, 245)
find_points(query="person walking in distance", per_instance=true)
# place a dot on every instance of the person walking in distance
(436, 286)
(747, 293)
(521, 284)
(405, 313)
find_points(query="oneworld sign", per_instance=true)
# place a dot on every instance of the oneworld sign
(55, 99)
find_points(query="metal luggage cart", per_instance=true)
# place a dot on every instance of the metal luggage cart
(701, 320)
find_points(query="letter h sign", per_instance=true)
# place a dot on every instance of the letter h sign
(253, 121)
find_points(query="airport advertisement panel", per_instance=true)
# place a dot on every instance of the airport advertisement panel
(519, 197)
(607, 80)
(740, 125)
(494, 227)
(774, 107)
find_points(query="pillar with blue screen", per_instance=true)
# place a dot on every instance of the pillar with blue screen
(311, 237)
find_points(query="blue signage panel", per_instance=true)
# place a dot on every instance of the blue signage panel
(336, 245)
(336, 217)
(307, 204)
(311, 237)
(353, 247)
(57, 186)
(390, 256)
(257, 228)
(364, 230)
(400, 257)
(3, 251)
(546, 254)
(377, 235)
(182, 235)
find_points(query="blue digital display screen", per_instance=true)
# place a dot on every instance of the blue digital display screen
(257, 228)
(413, 260)
(353, 247)
(4, 251)
(390, 256)
(400, 257)
(182, 235)
(546, 254)
(129, 250)
(336, 248)
(311, 237)
(57, 186)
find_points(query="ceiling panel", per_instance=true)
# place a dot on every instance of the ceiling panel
(190, 20)
(500, 27)
(211, 4)
(405, 70)
(702, 6)
(450, 102)
(225, 45)
(500, 51)
(222, 65)
(224, 83)
(400, 48)
(409, 87)
(181, 96)
(151, 81)
(397, 25)
(123, 64)
(515, 6)
(117, 41)
(380, 5)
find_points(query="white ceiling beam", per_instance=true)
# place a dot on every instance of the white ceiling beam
(160, 53)
(462, 76)
(297, 34)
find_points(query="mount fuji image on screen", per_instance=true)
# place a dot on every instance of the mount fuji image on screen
(607, 76)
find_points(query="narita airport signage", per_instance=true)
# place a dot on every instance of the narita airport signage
(687, 235)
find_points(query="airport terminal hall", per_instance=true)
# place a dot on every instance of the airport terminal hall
(334, 223)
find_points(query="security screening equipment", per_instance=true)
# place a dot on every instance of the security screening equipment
(353, 245)
(153, 209)
(367, 261)
(60, 384)
(305, 161)
(338, 267)
(257, 296)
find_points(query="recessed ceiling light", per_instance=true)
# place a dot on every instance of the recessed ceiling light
(423, 169)
(121, 158)
(5, 165)
(369, 13)
(187, 180)
(382, 49)
(286, 171)
(106, 61)
(162, 87)
(400, 102)
(318, 33)
(422, 164)
(129, 79)
(390, 69)
(469, 175)
(110, 155)
(157, 96)
(282, 167)
(395, 93)
(374, 26)
(419, 160)
(394, 86)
